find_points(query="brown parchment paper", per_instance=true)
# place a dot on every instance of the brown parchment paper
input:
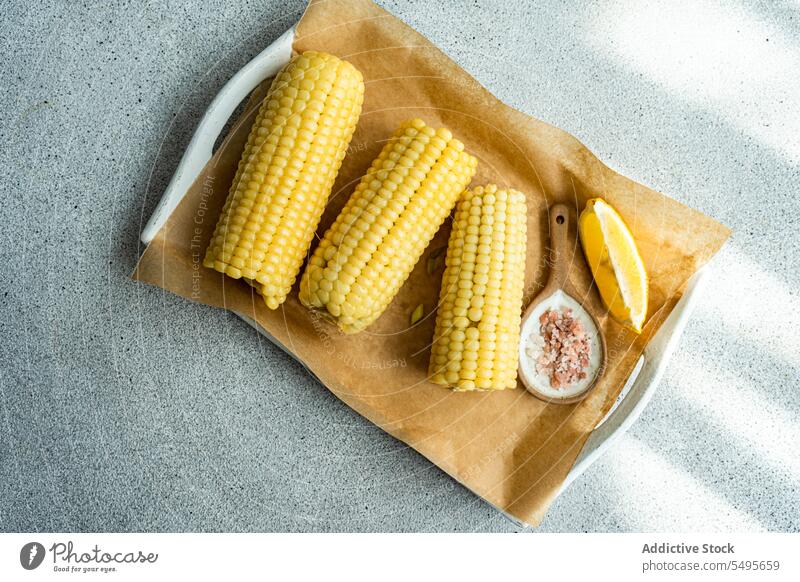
(508, 447)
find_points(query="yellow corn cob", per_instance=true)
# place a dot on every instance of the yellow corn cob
(475, 345)
(286, 173)
(369, 251)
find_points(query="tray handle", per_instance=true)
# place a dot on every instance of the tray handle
(264, 65)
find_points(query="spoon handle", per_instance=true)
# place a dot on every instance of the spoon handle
(560, 254)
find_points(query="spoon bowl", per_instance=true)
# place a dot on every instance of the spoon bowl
(553, 296)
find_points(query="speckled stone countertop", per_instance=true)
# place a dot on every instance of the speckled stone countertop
(125, 408)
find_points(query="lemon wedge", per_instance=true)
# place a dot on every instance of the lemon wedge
(617, 268)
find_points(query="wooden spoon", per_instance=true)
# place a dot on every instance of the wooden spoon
(554, 296)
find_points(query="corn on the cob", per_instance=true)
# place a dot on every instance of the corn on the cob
(286, 173)
(475, 345)
(369, 251)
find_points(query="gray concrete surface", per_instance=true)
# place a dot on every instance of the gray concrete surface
(125, 408)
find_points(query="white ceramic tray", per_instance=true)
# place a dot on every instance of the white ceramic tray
(639, 388)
